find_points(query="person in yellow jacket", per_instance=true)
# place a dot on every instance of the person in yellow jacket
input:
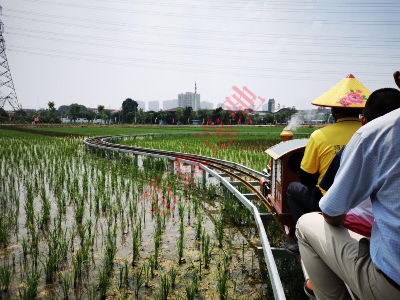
(346, 99)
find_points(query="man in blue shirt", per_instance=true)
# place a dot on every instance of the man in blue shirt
(370, 167)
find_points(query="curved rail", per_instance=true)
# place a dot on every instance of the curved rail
(228, 169)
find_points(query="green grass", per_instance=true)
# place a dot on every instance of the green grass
(92, 130)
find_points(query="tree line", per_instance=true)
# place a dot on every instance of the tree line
(131, 114)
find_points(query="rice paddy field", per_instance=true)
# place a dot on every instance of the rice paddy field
(75, 225)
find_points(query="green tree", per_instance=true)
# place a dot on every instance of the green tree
(100, 109)
(202, 115)
(74, 111)
(268, 118)
(257, 117)
(141, 115)
(52, 112)
(222, 116)
(187, 113)
(151, 114)
(129, 110)
(179, 114)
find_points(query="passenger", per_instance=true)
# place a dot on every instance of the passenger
(360, 218)
(369, 167)
(304, 196)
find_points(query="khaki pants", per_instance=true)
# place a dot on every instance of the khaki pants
(333, 255)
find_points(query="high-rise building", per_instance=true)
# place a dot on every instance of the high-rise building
(271, 105)
(154, 105)
(206, 105)
(190, 99)
(169, 104)
(265, 107)
(141, 104)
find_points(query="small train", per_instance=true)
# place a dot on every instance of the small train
(283, 168)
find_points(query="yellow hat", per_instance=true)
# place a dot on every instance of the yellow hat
(347, 93)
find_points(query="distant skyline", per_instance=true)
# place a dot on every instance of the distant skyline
(100, 52)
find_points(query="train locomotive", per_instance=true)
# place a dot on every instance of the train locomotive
(284, 168)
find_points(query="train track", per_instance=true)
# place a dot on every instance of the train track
(239, 174)
(229, 168)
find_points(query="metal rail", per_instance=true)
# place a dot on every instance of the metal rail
(229, 169)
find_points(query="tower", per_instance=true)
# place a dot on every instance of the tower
(7, 89)
(196, 100)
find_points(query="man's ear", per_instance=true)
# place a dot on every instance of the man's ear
(363, 120)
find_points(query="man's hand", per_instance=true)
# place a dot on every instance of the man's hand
(335, 221)
(396, 76)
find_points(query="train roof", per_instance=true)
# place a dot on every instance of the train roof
(283, 148)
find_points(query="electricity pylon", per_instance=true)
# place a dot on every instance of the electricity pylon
(7, 89)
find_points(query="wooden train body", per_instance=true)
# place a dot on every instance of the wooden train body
(284, 168)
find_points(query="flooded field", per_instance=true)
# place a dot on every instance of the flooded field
(75, 225)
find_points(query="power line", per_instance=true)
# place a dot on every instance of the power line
(124, 64)
(278, 2)
(269, 20)
(198, 31)
(90, 56)
(308, 53)
(258, 42)
(298, 7)
(285, 59)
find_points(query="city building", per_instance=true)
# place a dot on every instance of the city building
(190, 99)
(141, 104)
(206, 105)
(154, 105)
(168, 104)
(265, 107)
(271, 105)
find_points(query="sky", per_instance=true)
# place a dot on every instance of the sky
(100, 52)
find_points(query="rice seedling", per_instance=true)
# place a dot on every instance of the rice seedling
(222, 278)
(157, 241)
(66, 285)
(165, 286)
(206, 249)
(29, 208)
(45, 208)
(103, 282)
(136, 238)
(173, 274)
(152, 265)
(190, 290)
(5, 278)
(181, 211)
(50, 265)
(198, 226)
(4, 229)
(78, 263)
(124, 275)
(146, 270)
(139, 276)
(29, 290)
(219, 230)
(180, 243)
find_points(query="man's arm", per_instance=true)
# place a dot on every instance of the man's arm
(335, 221)
(354, 180)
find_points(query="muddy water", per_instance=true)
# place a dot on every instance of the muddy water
(67, 173)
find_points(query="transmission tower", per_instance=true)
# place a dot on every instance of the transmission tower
(7, 89)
